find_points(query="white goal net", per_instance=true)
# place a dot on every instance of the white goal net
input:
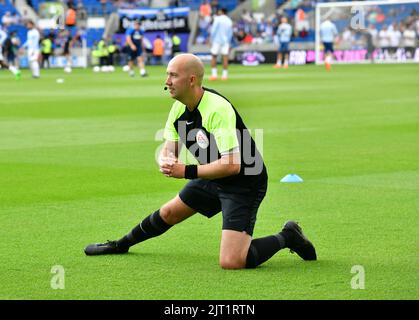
(368, 31)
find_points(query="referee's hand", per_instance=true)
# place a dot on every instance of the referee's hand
(173, 170)
(170, 167)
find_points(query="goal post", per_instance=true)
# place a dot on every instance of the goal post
(370, 31)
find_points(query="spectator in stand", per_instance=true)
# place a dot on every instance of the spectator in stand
(173, 3)
(103, 4)
(204, 22)
(260, 26)
(240, 36)
(204, 25)
(214, 5)
(301, 21)
(81, 16)
(7, 19)
(246, 16)
(303, 33)
(257, 39)
(295, 3)
(205, 10)
(268, 33)
(248, 39)
(70, 17)
(248, 21)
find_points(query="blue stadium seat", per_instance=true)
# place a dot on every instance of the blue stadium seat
(7, 6)
(94, 35)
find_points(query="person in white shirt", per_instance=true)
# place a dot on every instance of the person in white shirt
(328, 33)
(409, 42)
(7, 19)
(284, 33)
(395, 37)
(32, 48)
(383, 39)
(221, 35)
(3, 64)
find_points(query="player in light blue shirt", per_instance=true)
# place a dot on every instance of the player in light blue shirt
(32, 48)
(284, 34)
(328, 32)
(221, 35)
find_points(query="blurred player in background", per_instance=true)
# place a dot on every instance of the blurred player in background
(384, 41)
(409, 41)
(221, 35)
(328, 32)
(68, 44)
(32, 48)
(46, 50)
(135, 40)
(3, 64)
(284, 33)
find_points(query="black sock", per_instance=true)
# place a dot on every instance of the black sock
(263, 249)
(288, 237)
(150, 227)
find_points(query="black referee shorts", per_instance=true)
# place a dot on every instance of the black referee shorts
(238, 204)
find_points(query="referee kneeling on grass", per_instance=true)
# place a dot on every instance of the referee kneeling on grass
(231, 176)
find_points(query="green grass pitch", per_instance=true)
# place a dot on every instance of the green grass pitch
(77, 166)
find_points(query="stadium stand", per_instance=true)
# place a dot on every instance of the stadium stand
(230, 5)
(254, 29)
(7, 6)
(15, 23)
(94, 35)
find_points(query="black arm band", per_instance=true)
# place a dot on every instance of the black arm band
(191, 171)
